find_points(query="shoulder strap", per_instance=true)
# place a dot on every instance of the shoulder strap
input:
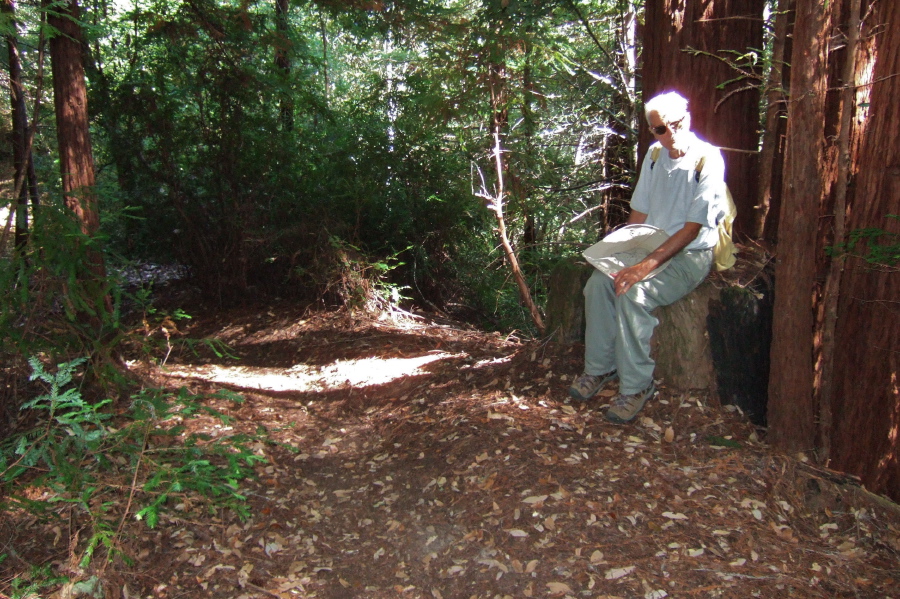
(654, 155)
(698, 168)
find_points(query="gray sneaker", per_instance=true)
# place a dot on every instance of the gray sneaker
(625, 407)
(587, 385)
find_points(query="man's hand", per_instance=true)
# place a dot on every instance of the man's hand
(627, 277)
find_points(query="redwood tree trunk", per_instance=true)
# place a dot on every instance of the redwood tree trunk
(714, 27)
(791, 409)
(76, 160)
(866, 405)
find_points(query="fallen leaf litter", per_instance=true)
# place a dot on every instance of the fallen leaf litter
(473, 476)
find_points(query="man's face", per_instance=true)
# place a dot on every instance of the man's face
(668, 134)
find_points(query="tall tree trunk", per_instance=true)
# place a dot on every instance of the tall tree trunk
(24, 178)
(522, 190)
(791, 409)
(727, 116)
(866, 405)
(833, 283)
(76, 160)
(771, 151)
(323, 31)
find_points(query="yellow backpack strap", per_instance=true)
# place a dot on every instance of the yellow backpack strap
(698, 168)
(654, 155)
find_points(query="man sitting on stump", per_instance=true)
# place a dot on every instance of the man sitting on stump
(681, 194)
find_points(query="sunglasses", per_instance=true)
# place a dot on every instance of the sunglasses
(661, 129)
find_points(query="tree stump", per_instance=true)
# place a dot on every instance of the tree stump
(740, 334)
(680, 344)
(565, 300)
(715, 338)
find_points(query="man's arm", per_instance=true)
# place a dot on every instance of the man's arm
(625, 278)
(637, 218)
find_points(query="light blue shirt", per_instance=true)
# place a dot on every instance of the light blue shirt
(670, 193)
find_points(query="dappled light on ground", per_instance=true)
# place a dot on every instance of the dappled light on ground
(301, 377)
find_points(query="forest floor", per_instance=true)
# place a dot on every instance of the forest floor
(420, 458)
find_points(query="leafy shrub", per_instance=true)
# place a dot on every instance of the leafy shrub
(82, 457)
(56, 301)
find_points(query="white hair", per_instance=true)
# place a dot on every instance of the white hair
(671, 107)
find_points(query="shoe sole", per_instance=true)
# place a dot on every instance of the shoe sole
(579, 397)
(616, 420)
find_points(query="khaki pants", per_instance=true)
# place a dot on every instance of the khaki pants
(618, 329)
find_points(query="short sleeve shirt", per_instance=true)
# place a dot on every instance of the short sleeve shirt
(671, 192)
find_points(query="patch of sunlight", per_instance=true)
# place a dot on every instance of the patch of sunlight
(301, 377)
(493, 362)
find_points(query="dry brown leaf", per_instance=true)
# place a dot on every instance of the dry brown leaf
(558, 588)
(674, 516)
(535, 499)
(617, 573)
(244, 574)
(492, 563)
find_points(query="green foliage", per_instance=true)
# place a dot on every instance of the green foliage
(56, 300)
(81, 455)
(55, 304)
(387, 121)
(361, 284)
(876, 246)
(31, 585)
(212, 153)
(718, 441)
(73, 427)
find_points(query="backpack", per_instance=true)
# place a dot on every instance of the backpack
(725, 252)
